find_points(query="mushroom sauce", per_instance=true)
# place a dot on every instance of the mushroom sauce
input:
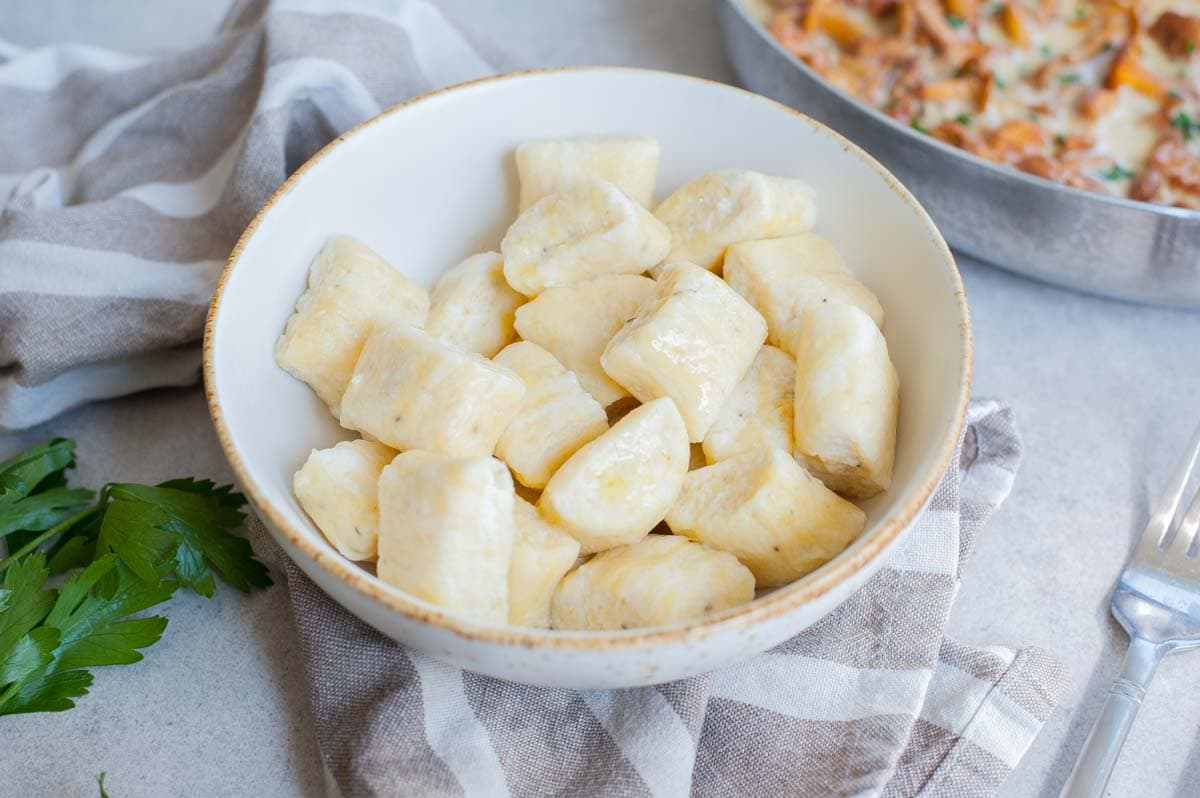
(1102, 95)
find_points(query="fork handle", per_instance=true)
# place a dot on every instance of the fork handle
(1095, 763)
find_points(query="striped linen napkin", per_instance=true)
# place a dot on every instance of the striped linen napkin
(125, 180)
(872, 700)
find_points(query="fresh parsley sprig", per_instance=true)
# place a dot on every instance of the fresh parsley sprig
(135, 544)
(48, 637)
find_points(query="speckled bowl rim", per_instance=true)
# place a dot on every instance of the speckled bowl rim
(780, 602)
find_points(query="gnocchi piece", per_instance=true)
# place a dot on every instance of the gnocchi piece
(784, 276)
(847, 401)
(693, 343)
(556, 417)
(628, 162)
(586, 229)
(758, 413)
(339, 489)
(616, 488)
(659, 580)
(350, 288)
(765, 509)
(575, 322)
(711, 212)
(473, 307)
(446, 532)
(411, 391)
(541, 556)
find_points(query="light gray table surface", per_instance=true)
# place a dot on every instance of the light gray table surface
(1105, 394)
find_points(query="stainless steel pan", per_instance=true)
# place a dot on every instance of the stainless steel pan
(1105, 245)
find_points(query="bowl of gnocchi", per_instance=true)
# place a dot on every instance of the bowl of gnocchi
(589, 377)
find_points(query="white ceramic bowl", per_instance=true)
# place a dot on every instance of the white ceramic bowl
(432, 181)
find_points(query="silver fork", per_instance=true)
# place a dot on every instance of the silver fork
(1157, 601)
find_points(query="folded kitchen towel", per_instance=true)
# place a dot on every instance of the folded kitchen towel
(872, 700)
(125, 180)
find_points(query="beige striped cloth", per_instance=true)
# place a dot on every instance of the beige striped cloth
(126, 179)
(874, 700)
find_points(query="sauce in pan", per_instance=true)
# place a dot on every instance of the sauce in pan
(1102, 95)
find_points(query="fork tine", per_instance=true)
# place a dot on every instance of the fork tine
(1187, 528)
(1164, 513)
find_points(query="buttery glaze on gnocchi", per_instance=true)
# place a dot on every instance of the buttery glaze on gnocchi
(630, 415)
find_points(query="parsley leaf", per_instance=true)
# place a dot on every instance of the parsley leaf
(132, 530)
(955, 21)
(71, 552)
(917, 126)
(89, 620)
(41, 471)
(963, 119)
(20, 475)
(24, 649)
(40, 511)
(190, 520)
(1068, 77)
(82, 628)
(33, 492)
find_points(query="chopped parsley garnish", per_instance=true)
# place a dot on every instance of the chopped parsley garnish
(955, 21)
(1118, 172)
(917, 126)
(1189, 125)
(1174, 95)
(963, 119)
(1045, 50)
(1068, 77)
(1001, 84)
(1189, 47)
(1060, 140)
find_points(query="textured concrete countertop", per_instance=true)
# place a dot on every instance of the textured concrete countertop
(1105, 393)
